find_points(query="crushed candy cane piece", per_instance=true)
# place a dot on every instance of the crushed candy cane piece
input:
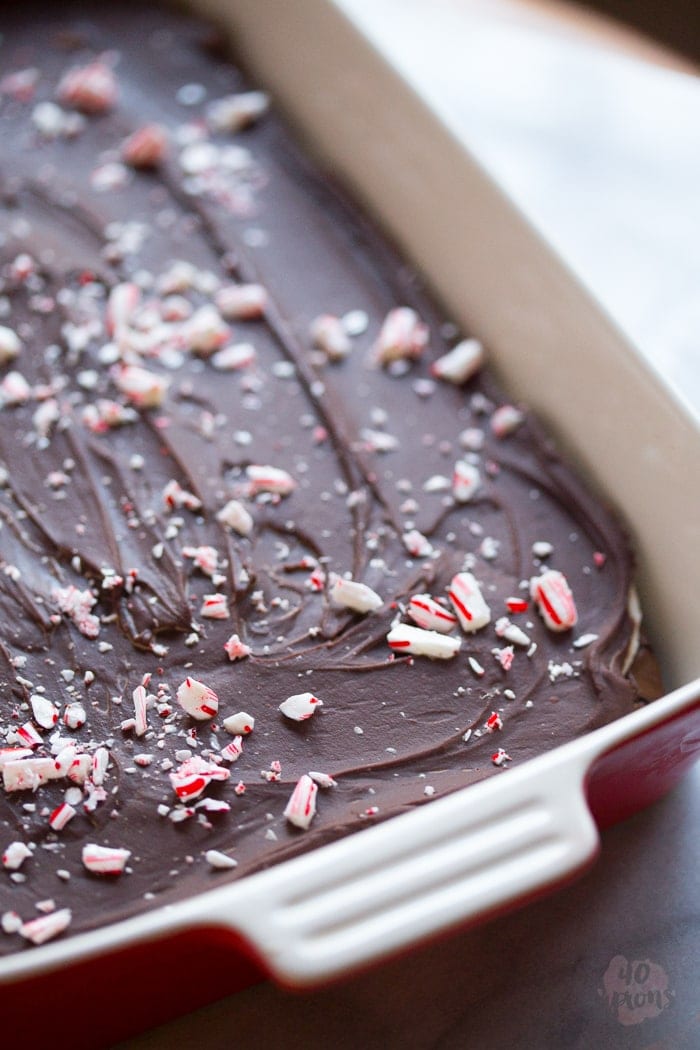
(542, 549)
(44, 712)
(583, 640)
(323, 779)
(493, 722)
(10, 344)
(15, 855)
(42, 929)
(240, 723)
(234, 357)
(10, 922)
(430, 614)
(505, 629)
(92, 88)
(417, 545)
(403, 336)
(177, 498)
(354, 595)
(197, 699)
(122, 304)
(469, 604)
(76, 605)
(461, 363)
(505, 656)
(218, 860)
(14, 388)
(301, 808)
(419, 642)
(214, 607)
(140, 698)
(233, 751)
(465, 481)
(300, 706)
(205, 331)
(476, 666)
(328, 333)
(500, 757)
(143, 388)
(517, 605)
(29, 735)
(193, 776)
(269, 479)
(505, 420)
(241, 302)
(61, 816)
(205, 558)
(105, 860)
(554, 599)
(235, 515)
(232, 113)
(236, 649)
(146, 147)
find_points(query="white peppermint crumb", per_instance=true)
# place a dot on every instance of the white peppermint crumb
(584, 640)
(63, 874)
(429, 790)
(219, 860)
(542, 549)
(355, 322)
(358, 730)
(270, 835)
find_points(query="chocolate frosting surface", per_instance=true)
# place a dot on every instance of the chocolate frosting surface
(82, 502)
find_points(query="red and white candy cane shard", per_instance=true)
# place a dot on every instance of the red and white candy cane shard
(233, 751)
(91, 89)
(43, 928)
(177, 498)
(236, 517)
(417, 545)
(323, 780)
(61, 816)
(77, 604)
(239, 724)
(269, 479)
(205, 331)
(415, 641)
(402, 335)
(205, 558)
(241, 302)
(143, 388)
(316, 580)
(140, 698)
(100, 762)
(29, 735)
(493, 722)
(28, 774)
(147, 147)
(352, 594)
(300, 706)
(554, 599)
(234, 357)
(232, 113)
(197, 699)
(505, 420)
(214, 607)
(517, 605)
(74, 715)
(465, 594)
(328, 333)
(465, 481)
(301, 808)
(512, 633)
(14, 754)
(505, 656)
(461, 363)
(105, 860)
(192, 777)
(44, 713)
(122, 304)
(236, 649)
(430, 615)
(500, 757)
(14, 389)
(10, 344)
(213, 805)
(15, 855)
(80, 769)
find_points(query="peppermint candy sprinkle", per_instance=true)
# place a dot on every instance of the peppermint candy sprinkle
(461, 363)
(554, 599)
(10, 344)
(45, 927)
(218, 860)
(329, 335)
(240, 723)
(197, 699)
(403, 335)
(300, 706)
(236, 517)
(469, 604)
(241, 302)
(301, 808)
(465, 481)
(105, 860)
(236, 649)
(146, 147)
(269, 479)
(15, 855)
(354, 595)
(214, 607)
(429, 614)
(91, 89)
(143, 388)
(418, 642)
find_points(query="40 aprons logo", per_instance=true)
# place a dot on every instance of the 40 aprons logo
(636, 991)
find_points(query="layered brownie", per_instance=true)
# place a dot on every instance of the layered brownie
(278, 559)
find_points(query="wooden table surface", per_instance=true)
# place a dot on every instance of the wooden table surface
(594, 132)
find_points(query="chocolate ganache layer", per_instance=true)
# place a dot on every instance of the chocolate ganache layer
(239, 471)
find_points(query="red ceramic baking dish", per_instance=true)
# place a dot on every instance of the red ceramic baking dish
(498, 844)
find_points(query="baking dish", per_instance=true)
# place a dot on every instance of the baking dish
(500, 843)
